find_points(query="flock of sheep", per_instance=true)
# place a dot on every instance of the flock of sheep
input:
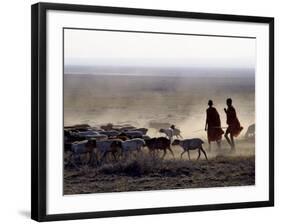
(121, 141)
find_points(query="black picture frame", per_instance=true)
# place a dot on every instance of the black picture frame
(38, 108)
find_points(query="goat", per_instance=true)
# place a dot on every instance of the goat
(160, 143)
(191, 144)
(169, 132)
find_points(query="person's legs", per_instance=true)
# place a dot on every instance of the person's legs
(227, 138)
(219, 144)
(210, 146)
(232, 141)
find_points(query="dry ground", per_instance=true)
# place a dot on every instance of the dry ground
(142, 172)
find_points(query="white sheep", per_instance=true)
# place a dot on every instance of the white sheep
(135, 144)
(170, 132)
(92, 135)
(131, 145)
(108, 146)
(98, 137)
(191, 144)
(82, 147)
(111, 133)
(87, 133)
(177, 132)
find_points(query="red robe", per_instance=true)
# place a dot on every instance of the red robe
(234, 126)
(214, 125)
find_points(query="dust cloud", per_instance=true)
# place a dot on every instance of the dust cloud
(141, 100)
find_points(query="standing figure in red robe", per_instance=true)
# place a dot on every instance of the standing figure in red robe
(213, 125)
(234, 128)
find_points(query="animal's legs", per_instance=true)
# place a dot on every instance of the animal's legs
(165, 151)
(114, 155)
(188, 154)
(199, 153)
(182, 154)
(169, 148)
(201, 148)
(104, 156)
(93, 158)
(72, 161)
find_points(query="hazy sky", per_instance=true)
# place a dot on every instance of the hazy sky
(91, 48)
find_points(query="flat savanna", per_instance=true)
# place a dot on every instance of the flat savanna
(143, 172)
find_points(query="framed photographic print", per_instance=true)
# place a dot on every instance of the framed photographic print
(140, 111)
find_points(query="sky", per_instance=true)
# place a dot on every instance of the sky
(108, 48)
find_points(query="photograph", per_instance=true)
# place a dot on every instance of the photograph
(147, 111)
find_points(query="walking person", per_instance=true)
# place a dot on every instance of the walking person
(234, 128)
(213, 125)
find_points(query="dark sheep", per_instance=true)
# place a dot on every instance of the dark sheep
(160, 143)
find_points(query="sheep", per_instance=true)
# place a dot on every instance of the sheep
(98, 137)
(133, 134)
(67, 146)
(160, 143)
(111, 133)
(107, 127)
(127, 128)
(170, 132)
(250, 134)
(122, 136)
(133, 144)
(145, 137)
(71, 136)
(82, 127)
(91, 135)
(177, 133)
(87, 133)
(67, 135)
(82, 147)
(129, 146)
(191, 144)
(142, 130)
(108, 146)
